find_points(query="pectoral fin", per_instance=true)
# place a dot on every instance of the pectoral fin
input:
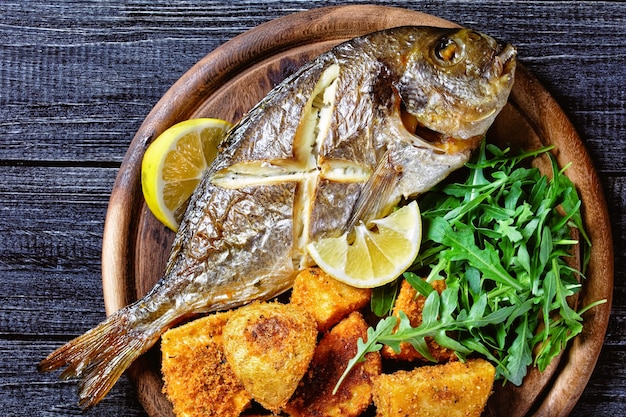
(375, 199)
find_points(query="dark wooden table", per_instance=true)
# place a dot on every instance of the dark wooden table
(78, 77)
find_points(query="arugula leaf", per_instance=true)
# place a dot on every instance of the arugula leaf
(383, 298)
(519, 353)
(500, 240)
(372, 344)
(419, 284)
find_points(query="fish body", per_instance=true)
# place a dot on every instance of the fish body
(375, 120)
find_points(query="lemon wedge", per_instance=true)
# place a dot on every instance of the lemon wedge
(379, 253)
(174, 163)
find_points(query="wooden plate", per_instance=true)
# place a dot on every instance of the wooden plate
(232, 78)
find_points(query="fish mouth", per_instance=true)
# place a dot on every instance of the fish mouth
(423, 136)
(413, 127)
(504, 60)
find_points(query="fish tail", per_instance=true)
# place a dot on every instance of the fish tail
(101, 355)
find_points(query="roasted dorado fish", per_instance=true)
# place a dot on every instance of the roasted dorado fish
(378, 118)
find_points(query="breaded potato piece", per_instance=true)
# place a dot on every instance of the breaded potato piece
(314, 395)
(453, 389)
(412, 303)
(269, 347)
(198, 380)
(325, 298)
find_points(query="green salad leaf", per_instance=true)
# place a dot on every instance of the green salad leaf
(501, 239)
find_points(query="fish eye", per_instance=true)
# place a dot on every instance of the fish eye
(447, 51)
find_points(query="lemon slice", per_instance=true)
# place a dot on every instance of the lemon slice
(378, 255)
(174, 164)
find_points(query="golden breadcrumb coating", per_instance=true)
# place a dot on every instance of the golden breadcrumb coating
(325, 298)
(453, 389)
(314, 395)
(269, 347)
(198, 379)
(411, 303)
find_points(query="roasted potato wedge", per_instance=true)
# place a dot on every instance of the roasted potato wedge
(411, 303)
(325, 298)
(314, 395)
(454, 389)
(269, 347)
(198, 380)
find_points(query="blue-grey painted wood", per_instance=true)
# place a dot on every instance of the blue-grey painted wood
(78, 77)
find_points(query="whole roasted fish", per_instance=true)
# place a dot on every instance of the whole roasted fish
(378, 118)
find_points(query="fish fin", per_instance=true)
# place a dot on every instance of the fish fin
(374, 199)
(100, 356)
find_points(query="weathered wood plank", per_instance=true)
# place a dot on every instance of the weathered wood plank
(26, 392)
(50, 248)
(77, 78)
(93, 76)
(600, 398)
(46, 209)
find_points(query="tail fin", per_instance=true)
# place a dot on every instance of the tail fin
(100, 356)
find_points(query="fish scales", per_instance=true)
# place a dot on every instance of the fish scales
(377, 119)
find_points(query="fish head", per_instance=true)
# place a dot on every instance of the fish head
(456, 81)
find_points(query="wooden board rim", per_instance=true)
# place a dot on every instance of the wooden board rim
(335, 24)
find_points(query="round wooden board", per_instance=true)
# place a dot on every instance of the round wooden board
(235, 76)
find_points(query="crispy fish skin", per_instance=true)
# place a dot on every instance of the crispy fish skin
(324, 149)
